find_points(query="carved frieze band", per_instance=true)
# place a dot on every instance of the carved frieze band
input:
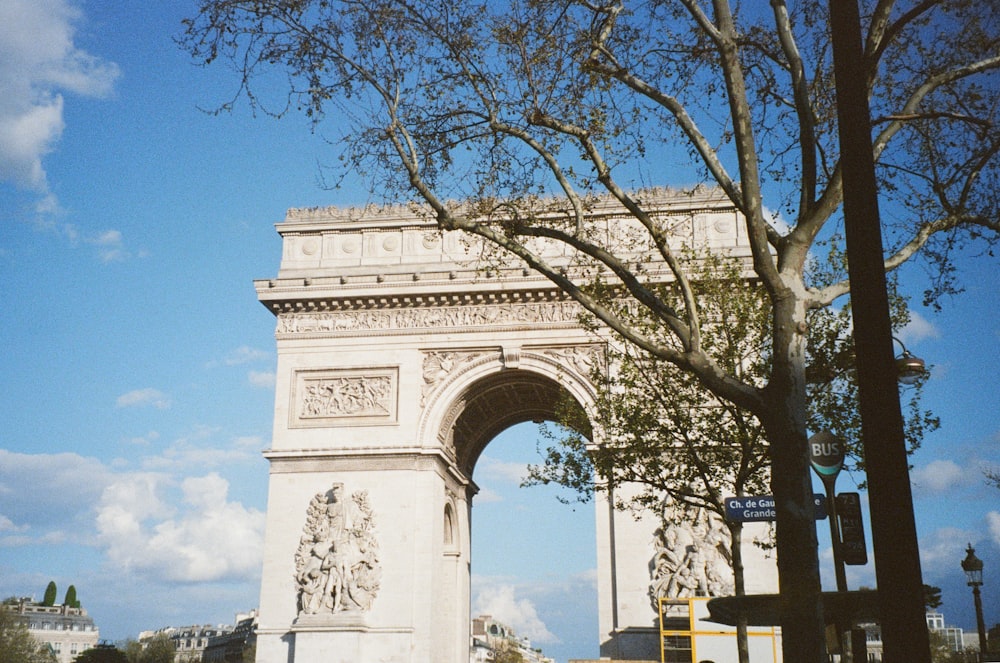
(458, 317)
(337, 396)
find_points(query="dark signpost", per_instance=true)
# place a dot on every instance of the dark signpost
(826, 455)
(852, 530)
(847, 534)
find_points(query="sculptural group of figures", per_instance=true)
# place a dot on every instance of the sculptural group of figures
(337, 567)
(693, 556)
(347, 396)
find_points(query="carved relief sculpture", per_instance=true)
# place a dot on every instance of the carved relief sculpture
(337, 567)
(323, 397)
(693, 556)
(460, 317)
(347, 396)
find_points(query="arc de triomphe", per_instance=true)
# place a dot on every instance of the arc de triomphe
(401, 355)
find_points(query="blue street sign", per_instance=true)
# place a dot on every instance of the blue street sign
(760, 508)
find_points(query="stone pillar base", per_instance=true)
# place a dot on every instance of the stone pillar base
(332, 643)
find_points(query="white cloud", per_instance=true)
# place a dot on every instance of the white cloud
(250, 442)
(7, 525)
(72, 483)
(244, 355)
(775, 218)
(241, 355)
(487, 496)
(147, 396)
(204, 538)
(200, 449)
(261, 378)
(144, 440)
(110, 246)
(39, 61)
(918, 329)
(940, 476)
(993, 525)
(941, 548)
(499, 601)
(498, 470)
(183, 454)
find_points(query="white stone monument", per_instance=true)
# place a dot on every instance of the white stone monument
(402, 352)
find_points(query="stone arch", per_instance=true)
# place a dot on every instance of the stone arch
(491, 392)
(398, 361)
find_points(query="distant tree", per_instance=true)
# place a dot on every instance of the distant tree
(993, 639)
(71, 599)
(993, 476)
(941, 651)
(158, 649)
(17, 645)
(132, 649)
(102, 653)
(932, 597)
(506, 652)
(50, 594)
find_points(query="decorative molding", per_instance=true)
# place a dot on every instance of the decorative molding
(583, 359)
(511, 356)
(438, 365)
(402, 320)
(329, 397)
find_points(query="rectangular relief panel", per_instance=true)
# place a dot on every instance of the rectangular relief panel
(344, 397)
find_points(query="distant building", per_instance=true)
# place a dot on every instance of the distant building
(957, 641)
(67, 631)
(489, 635)
(189, 641)
(951, 634)
(232, 647)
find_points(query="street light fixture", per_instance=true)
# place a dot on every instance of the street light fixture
(973, 567)
(909, 368)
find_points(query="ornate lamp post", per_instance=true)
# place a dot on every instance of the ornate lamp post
(973, 567)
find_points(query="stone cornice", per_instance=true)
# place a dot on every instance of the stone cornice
(303, 299)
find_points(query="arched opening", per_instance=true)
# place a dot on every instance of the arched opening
(533, 558)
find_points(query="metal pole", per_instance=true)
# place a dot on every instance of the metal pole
(838, 555)
(894, 537)
(980, 624)
(843, 628)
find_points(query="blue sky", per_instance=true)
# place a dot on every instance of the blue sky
(137, 372)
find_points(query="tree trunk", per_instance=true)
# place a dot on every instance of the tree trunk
(803, 635)
(800, 602)
(739, 589)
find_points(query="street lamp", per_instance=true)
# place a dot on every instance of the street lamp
(973, 567)
(909, 368)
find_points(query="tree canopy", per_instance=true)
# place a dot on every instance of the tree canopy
(17, 645)
(508, 120)
(50, 593)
